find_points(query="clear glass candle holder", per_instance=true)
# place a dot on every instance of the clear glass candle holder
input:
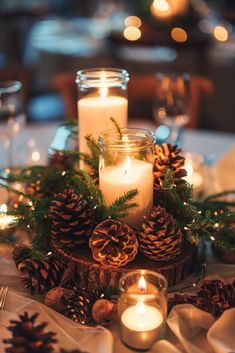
(142, 308)
(126, 163)
(194, 166)
(102, 94)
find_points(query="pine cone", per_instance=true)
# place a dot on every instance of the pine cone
(161, 237)
(28, 337)
(20, 253)
(168, 157)
(113, 243)
(79, 305)
(72, 220)
(41, 275)
(214, 296)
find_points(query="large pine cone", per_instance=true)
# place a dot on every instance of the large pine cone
(72, 220)
(28, 337)
(161, 237)
(79, 305)
(168, 157)
(38, 276)
(113, 243)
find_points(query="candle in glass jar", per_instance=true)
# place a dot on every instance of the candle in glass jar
(94, 115)
(132, 174)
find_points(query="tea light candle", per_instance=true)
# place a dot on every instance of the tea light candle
(142, 317)
(94, 115)
(6, 221)
(132, 174)
(143, 323)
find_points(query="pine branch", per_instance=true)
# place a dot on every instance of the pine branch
(219, 195)
(119, 208)
(116, 125)
(94, 148)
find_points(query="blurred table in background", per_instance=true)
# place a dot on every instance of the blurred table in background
(212, 145)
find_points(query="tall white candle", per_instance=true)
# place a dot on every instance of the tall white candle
(132, 174)
(94, 115)
(141, 317)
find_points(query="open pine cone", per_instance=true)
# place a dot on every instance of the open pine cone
(113, 243)
(29, 337)
(168, 157)
(72, 220)
(79, 305)
(161, 237)
(38, 276)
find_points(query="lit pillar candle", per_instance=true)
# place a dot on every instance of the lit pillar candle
(132, 174)
(102, 96)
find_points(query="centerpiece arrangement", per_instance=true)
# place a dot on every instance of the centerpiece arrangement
(121, 204)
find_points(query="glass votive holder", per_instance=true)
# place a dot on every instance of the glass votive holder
(194, 166)
(142, 308)
(126, 163)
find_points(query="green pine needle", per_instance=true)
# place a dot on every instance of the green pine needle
(117, 127)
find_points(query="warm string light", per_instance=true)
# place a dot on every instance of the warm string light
(195, 283)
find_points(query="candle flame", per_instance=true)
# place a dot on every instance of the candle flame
(3, 208)
(142, 286)
(140, 308)
(127, 165)
(104, 88)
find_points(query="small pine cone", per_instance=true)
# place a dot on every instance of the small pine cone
(72, 220)
(28, 337)
(20, 253)
(79, 305)
(113, 243)
(161, 237)
(166, 157)
(38, 276)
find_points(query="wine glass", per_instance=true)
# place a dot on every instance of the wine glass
(171, 105)
(11, 115)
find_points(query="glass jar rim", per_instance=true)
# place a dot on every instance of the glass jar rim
(97, 77)
(133, 139)
(142, 272)
(10, 86)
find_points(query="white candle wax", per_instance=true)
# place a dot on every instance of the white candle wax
(116, 180)
(94, 115)
(141, 317)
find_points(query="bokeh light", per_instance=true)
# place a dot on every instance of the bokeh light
(133, 21)
(132, 33)
(179, 34)
(220, 33)
(161, 5)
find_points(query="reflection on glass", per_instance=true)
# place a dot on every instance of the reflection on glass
(171, 104)
(11, 115)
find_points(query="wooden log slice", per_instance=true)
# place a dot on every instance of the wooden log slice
(90, 274)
